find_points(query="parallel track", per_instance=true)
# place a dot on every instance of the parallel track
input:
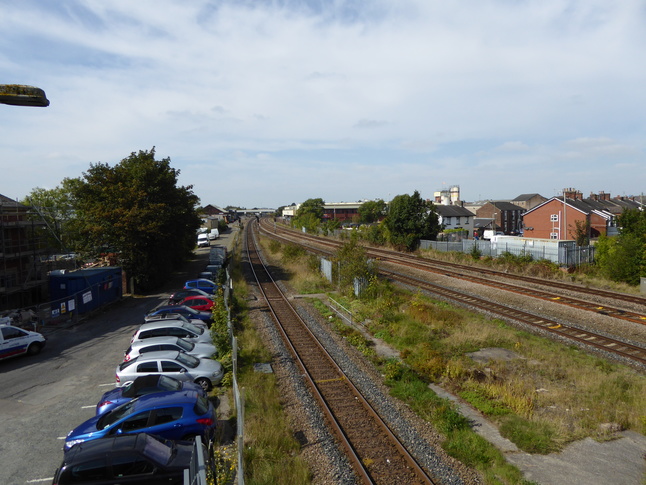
(628, 352)
(453, 270)
(374, 451)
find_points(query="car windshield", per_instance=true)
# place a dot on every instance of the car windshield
(116, 414)
(169, 384)
(194, 329)
(185, 345)
(157, 450)
(188, 360)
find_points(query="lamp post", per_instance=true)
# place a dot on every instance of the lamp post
(22, 95)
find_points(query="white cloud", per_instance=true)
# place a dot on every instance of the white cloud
(388, 96)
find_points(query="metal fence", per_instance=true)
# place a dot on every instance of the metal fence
(564, 255)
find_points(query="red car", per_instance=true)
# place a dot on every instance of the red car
(198, 302)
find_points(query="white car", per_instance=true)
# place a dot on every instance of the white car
(200, 350)
(16, 341)
(181, 366)
(172, 328)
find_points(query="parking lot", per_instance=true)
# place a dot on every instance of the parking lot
(43, 397)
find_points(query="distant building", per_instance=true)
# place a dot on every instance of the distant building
(502, 216)
(528, 201)
(456, 217)
(557, 218)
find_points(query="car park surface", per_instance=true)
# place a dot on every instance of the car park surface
(181, 366)
(142, 385)
(166, 328)
(175, 415)
(138, 459)
(200, 350)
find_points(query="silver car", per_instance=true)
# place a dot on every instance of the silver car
(200, 350)
(172, 328)
(181, 366)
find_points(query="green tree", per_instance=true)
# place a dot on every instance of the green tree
(137, 210)
(56, 208)
(582, 232)
(623, 258)
(410, 218)
(309, 215)
(372, 211)
(352, 262)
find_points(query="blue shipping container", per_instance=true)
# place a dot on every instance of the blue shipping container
(84, 290)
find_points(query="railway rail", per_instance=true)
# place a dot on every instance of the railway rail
(458, 271)
(376, 454)
(626, 351)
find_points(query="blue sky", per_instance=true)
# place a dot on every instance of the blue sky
(265, 103)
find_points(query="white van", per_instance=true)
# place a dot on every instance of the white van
(203, 240)
(214, 233)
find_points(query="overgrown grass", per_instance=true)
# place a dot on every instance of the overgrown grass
(271, 453)
(548, 396)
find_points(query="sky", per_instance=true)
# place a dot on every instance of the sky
(265, 103)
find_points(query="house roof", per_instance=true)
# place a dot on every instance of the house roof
(453, 211)
(6, 201)
(503, 205)
(586, 206)
(524, 197)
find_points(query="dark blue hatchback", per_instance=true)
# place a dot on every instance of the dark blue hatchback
(176, 415)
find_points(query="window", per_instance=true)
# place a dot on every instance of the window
(135, 422)
(457, 220)
(554, 235)
(148, 367)
(125, 466)
(90, 470)
(167, 415)
(11, 332)
(554, 217)
(170, 366)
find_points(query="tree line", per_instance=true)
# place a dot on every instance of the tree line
(135, 210)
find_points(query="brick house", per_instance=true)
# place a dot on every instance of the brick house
(528, 201)
(557, 218)
(502, 215)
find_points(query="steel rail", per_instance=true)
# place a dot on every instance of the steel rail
(368, 468)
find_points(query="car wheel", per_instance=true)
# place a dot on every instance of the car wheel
(204, 382)
(34, 348)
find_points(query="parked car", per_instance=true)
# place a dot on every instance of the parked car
(200, 350)
(174, 316)
(175, 415)
(181, 366)
(199, 303)
(172, 328)
(213, 233)
(186, 311)
(142, 385)
(201, 284)
(16, 341)
(178, 296)
(132, 458)
(203, 240)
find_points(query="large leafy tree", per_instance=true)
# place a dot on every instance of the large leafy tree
(137, 210)
(411, 218)
(372, 211)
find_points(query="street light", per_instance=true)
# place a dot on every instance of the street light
(22, 95)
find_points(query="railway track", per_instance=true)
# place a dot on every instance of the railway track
(626, 351)
(376, 454)
(461, 272)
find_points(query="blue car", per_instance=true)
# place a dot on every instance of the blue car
(202, 284)
(186, 311)
(141, 386)
(175, 415)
